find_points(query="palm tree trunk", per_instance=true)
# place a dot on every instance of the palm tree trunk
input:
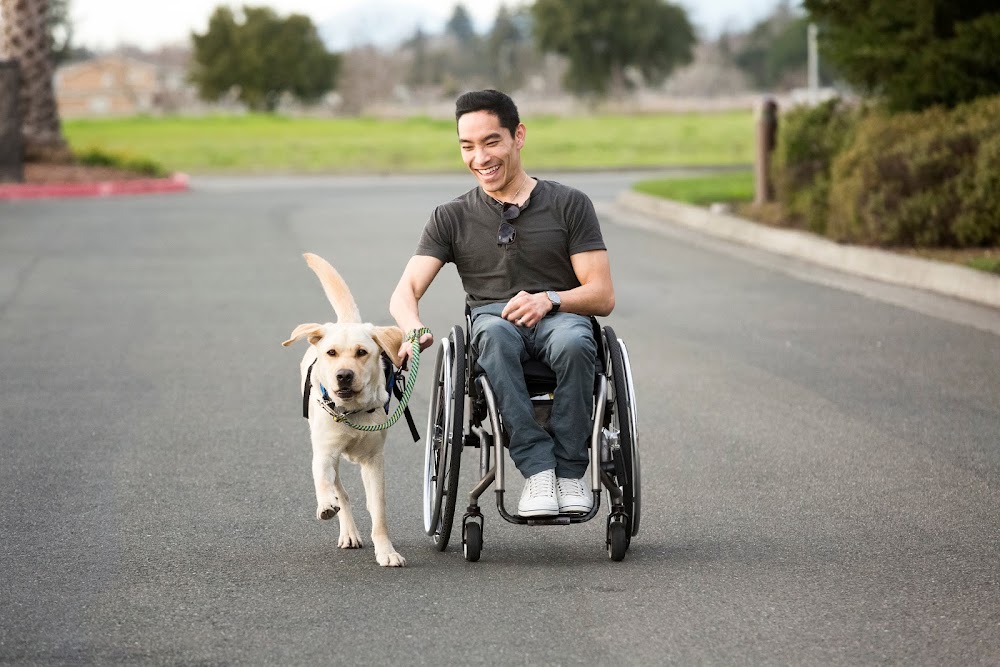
(25, 39)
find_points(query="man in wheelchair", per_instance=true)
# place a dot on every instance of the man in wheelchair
(534, 268)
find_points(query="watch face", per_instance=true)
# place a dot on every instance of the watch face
(554, 298)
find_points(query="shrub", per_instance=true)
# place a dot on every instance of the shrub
(920, 179)
(808, 140)
(97, 157)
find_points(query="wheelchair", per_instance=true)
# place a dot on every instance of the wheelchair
(463, 416)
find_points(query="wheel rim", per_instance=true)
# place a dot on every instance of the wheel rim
(450, 452)
(435, 439)
(623, 421)
(634, 431)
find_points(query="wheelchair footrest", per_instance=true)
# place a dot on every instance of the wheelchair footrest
(561, 520)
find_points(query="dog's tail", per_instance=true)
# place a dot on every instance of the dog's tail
(335, 289)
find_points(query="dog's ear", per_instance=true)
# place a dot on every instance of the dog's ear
(311, 330)
(389, 339)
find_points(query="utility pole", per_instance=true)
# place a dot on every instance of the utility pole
(813, 51)
(767, 137)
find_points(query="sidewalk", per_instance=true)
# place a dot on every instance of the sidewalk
(939, 277)
(173, 183)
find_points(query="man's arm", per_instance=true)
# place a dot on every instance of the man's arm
(594, 296)
(420, 271)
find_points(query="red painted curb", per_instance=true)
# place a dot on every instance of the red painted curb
(174, 183)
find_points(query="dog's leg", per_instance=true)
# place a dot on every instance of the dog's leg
(373, 476)
(332, 498)
(325, 480)
(350, 538)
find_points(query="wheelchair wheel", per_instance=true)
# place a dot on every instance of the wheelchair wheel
(623, 420)
(472, 544)
(618, 538)
(443, 442)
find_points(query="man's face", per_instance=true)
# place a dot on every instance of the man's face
(489, 150)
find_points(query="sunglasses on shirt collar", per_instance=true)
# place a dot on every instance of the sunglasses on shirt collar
(506, 233)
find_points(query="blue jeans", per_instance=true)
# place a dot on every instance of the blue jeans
(565, 343)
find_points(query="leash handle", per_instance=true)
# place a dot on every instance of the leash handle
(414, 335)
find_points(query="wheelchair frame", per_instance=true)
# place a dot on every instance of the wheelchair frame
(613, 450)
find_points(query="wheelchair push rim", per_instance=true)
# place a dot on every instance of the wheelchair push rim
(623, 420)
(443, 442)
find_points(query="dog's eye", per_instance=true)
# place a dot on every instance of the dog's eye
(362, 352)
(331, 353)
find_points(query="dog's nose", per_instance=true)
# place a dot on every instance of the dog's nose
(345, 377)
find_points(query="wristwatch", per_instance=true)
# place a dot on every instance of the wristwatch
(556, 301)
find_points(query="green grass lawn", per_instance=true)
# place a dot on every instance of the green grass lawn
(727, 186)
(263, 143)
(985, 263)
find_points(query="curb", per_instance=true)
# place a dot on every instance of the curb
(173, 183)
(925, 274)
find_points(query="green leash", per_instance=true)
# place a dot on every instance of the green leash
(411, 381)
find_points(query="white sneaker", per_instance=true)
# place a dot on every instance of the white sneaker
(574, 496)
(539, 495)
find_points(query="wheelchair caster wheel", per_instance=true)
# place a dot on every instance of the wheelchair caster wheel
(472, 545)
(617, 539)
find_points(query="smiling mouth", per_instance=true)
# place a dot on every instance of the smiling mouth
(488, 172)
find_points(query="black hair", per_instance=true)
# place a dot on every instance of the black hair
(493, 101)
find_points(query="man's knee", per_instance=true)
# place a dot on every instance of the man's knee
(572, 346)
(493, 334)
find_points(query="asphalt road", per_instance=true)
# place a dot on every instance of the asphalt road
(821, 467)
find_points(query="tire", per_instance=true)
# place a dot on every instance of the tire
(623, 419)
(446, 426)
(473, 543)
(433, 439)
(617, 539)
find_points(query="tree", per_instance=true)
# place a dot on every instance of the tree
(775, 51)
(601, 39)
(25, 39)
(262, 56)
(60, 31)
(460, 27)
(914, 54)
(505, 50)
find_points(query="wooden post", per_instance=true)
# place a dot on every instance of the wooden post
(767, 134)
(11, 143)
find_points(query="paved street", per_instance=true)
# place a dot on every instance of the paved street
(821, 459)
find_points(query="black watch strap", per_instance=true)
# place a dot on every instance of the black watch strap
(554, 299)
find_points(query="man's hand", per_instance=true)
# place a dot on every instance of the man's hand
(525, 310)
(406, 349)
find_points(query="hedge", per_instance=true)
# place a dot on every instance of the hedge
(858, 175)
(808, 140)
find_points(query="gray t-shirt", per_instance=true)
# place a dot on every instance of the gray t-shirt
(556, 222)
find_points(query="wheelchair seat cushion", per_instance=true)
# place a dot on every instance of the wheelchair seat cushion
(537, 375)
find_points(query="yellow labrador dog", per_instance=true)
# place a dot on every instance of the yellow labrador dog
(343, 372)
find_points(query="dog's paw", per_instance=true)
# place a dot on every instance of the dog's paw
(391, 559)
(350, 541)
(326, 512)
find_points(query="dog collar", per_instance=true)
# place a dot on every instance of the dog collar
(327, 403)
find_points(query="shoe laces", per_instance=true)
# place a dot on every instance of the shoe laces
(571, 487)
(541, 485)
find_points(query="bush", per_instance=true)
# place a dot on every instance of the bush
(808, 140)
(96, 157)
(928, 179)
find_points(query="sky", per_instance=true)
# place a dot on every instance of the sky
(105, 24)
